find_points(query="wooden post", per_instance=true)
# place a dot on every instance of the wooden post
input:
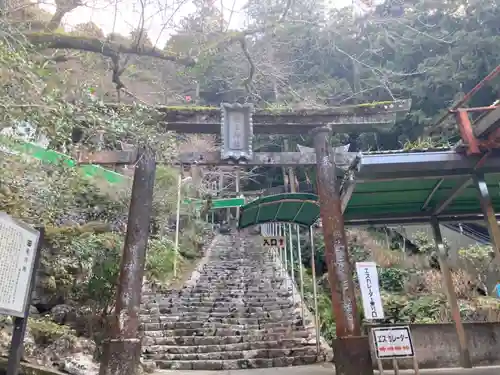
(122, 350)
(465, 359)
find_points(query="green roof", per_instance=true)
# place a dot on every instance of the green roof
(415, 199)
(394, 188)
(296, 208)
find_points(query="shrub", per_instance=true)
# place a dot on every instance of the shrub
(392, 279)
(45, 332)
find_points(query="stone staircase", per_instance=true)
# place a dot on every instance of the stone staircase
(236, 313)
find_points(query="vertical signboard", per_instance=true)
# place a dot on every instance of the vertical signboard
(236, 131)
(18, 248)
(370, 290)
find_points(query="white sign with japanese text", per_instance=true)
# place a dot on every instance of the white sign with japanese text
(274, 242)
(370, 290)
(18, 246)
(393, 342)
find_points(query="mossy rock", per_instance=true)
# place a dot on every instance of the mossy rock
(28, 369)
(46, 332)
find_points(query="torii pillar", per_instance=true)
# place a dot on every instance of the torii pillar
(351, 350)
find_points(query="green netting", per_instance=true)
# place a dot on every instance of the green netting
(295, 208)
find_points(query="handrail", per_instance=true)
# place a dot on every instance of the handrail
(470, 232)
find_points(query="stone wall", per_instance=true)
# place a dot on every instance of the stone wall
(436, 345)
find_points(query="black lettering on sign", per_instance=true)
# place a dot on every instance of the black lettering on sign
(274, 242)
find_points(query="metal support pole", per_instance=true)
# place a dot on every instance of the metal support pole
(351, 350)
(122, 351)
(286, 260)
(301, 273)
(292, 262)
(489, 213)
(315, 291)
(237, 194)
(465, 359)
(177, 222)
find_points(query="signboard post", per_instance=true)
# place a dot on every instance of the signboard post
(20, 247)
(370, 290)
(393, 343)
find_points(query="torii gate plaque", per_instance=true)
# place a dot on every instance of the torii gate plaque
(236, 132)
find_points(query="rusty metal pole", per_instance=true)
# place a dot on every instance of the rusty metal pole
(489, 213)
(122, 350)
(351, 350)
(465, 360)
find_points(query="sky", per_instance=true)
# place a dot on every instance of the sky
(158, 18)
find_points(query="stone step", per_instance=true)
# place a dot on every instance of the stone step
(221, 301)
(174, 322)
(236, 364)
(240, 286)
(214, 329)
(300, 337)
(242, 346)
(266, 267)
(208, 289)
(221, 323)
(192, 315)
(156, 309)
(238, 314)
(251, 272)
(254, 301)
(238, 354)
(229, 307)
(228, 295)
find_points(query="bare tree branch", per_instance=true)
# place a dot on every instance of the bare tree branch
(103, 47)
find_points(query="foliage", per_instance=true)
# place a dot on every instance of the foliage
(45, 332)
(428, 247)
(84, 219)
(480, 256)
(160, 259)
(479, 261)
(392, 279)
(401, 309)
(30, 96)
(412, 291)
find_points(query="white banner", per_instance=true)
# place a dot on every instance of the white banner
(370, 290)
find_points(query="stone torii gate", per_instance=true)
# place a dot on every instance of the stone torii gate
(237, 123)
